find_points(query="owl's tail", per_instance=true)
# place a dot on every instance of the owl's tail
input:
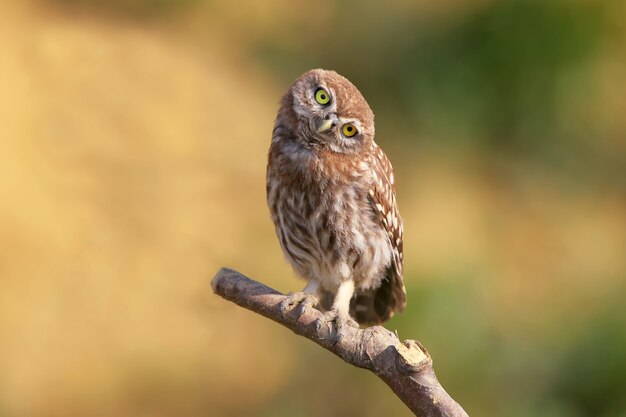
(375, 306)
(378, 305)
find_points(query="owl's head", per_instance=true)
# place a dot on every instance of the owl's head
(329, 111)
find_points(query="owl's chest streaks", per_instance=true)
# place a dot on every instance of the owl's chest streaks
(324, 220)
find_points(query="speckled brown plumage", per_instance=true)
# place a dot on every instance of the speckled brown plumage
(331, 194)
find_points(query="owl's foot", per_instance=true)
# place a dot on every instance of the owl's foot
(341, 320)
(301, 299)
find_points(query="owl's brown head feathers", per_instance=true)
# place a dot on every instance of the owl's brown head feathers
(327, 111)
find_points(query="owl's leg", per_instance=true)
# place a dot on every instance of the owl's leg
(339, 313)
(306, 298)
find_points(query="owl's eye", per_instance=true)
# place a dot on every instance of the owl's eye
(322, 96)
(349, 130)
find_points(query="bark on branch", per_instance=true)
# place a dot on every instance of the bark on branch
(405, 366)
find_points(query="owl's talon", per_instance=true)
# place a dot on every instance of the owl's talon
(341, 321)
(302, 299)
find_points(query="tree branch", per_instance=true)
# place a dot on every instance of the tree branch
(405, 366)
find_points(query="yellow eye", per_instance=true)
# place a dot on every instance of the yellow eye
(349, 130)
(322, 96)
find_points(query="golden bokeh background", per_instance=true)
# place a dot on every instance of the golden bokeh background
(132, 164)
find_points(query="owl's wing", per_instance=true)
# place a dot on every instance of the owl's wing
(391, 295)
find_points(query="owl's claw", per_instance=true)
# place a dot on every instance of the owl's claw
(341, 320)
(302, 299)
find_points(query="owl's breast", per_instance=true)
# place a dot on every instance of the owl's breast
(358, 246)
(327, 228)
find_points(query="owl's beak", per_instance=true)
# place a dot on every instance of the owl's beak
(326, 124)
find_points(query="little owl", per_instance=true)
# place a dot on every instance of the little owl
(331, 194)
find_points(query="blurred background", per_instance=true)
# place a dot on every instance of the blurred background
(132, 161)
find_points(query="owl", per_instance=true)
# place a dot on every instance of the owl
(331, 195)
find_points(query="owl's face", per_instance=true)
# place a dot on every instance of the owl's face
(331, 112)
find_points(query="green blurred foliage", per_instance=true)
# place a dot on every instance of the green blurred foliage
(591, 373)
(494, 71)
(511, 76)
